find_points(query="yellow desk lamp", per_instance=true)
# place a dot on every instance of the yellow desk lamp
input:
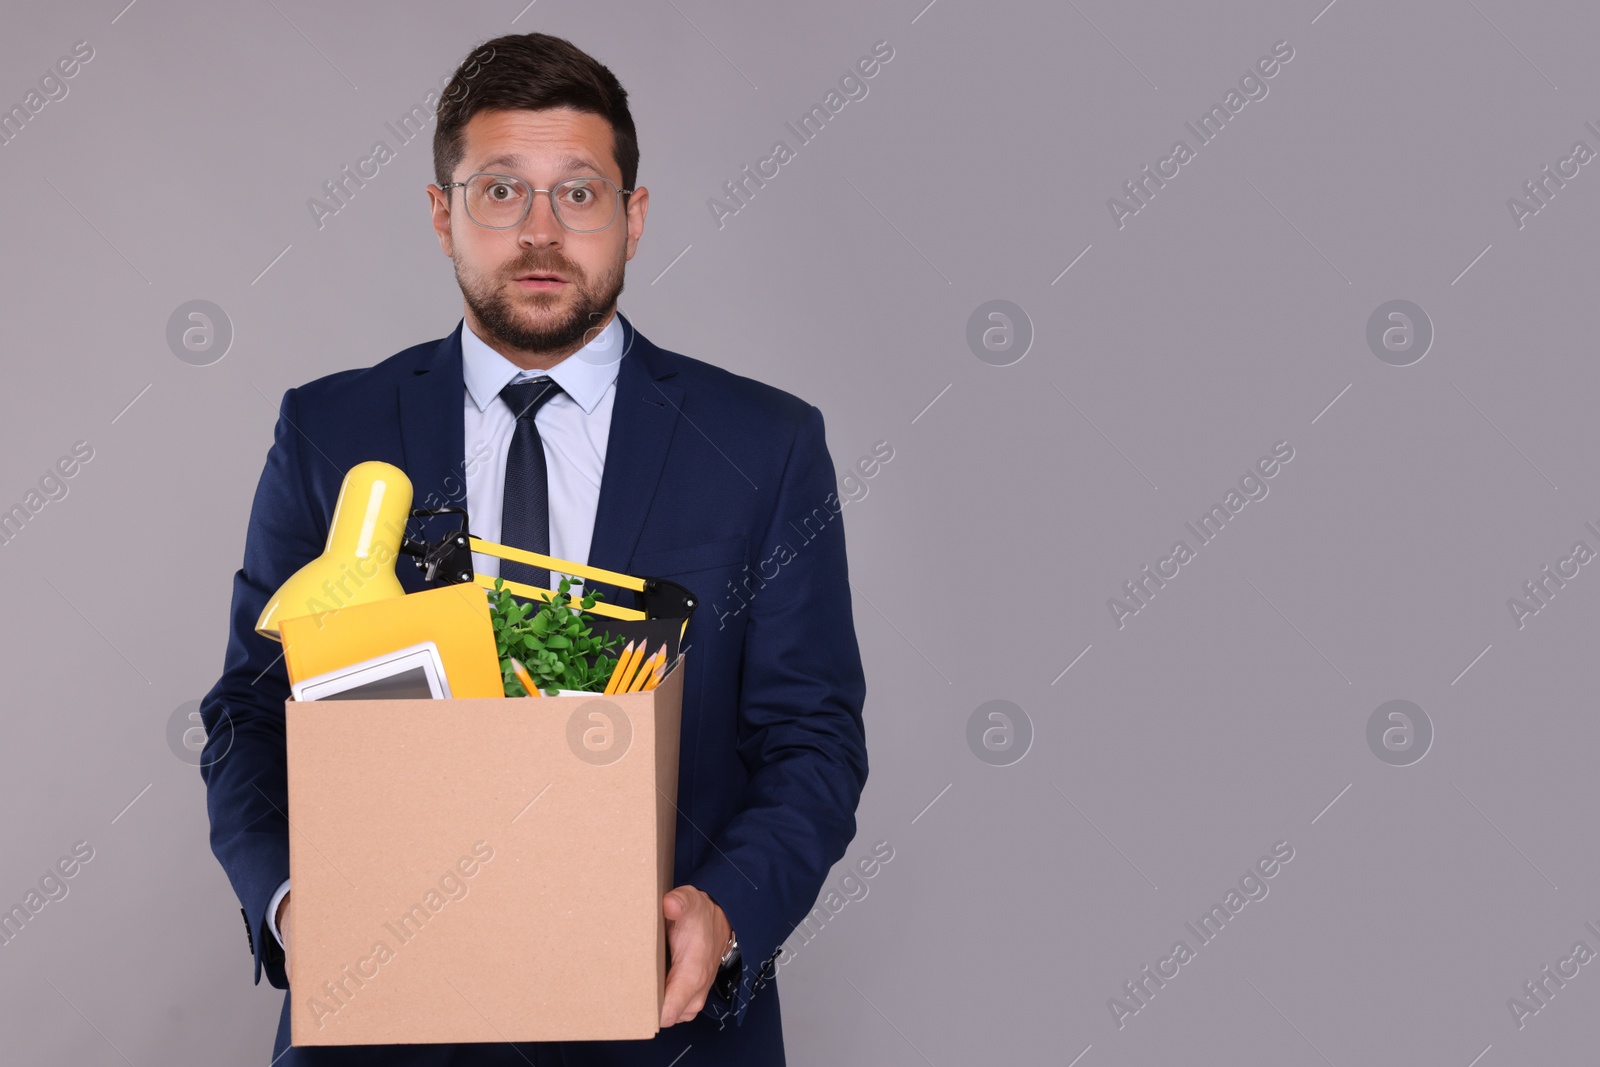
(368, 534)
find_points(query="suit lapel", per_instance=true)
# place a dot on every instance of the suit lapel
(432, 437)
(644, 414)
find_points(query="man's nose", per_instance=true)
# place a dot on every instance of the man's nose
(541, 229)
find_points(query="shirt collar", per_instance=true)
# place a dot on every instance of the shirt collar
(584, 376)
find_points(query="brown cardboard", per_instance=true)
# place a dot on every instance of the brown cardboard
(558, 935)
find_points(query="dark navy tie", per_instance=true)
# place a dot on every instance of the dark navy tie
(525, 508)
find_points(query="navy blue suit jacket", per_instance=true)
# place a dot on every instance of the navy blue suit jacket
(713, 480)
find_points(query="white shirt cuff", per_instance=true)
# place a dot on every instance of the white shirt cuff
(272, 912)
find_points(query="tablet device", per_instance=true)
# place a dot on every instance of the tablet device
(411, 673)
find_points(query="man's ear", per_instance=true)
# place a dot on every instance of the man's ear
(439, 205)
(638, 207)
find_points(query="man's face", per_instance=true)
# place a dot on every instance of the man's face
(550, 316)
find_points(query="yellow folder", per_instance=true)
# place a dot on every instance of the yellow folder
(454, 617)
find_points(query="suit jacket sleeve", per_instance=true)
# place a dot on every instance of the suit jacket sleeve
(800, 734)
(244, 763)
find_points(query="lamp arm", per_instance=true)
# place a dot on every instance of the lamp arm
(448, 560)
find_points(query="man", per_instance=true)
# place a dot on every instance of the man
(563, 430)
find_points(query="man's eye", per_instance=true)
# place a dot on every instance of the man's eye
(501, 191)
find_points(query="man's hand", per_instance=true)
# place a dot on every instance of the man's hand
(697, 932)
(283, 927)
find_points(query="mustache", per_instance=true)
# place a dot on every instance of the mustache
(552, 264)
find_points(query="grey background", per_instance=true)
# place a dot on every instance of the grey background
(1226, 316)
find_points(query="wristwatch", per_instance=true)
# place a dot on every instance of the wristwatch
(728, 968)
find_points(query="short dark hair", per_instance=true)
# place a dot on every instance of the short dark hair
(532, 71)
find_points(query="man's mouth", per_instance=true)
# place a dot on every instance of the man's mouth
(540, 279)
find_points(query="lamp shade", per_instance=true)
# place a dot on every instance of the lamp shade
(364, 538)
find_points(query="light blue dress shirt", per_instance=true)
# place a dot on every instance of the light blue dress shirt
(574, 425)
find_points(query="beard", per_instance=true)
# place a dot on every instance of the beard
(532, 321)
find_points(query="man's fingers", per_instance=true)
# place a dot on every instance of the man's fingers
(678, 1003)
(675, 1010)
(688, 941)
(672, 1003)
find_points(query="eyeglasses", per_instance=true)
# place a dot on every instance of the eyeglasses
(501, 201)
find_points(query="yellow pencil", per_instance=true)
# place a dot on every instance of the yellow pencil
(645, 671)
(525, 678)
(637, 664)
(618, 671)
(656, 675)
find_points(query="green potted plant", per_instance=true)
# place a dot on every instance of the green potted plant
(554, 642)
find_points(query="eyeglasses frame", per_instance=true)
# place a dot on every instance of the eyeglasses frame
(556, 211)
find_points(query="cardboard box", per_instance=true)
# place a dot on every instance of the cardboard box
(482, 869)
